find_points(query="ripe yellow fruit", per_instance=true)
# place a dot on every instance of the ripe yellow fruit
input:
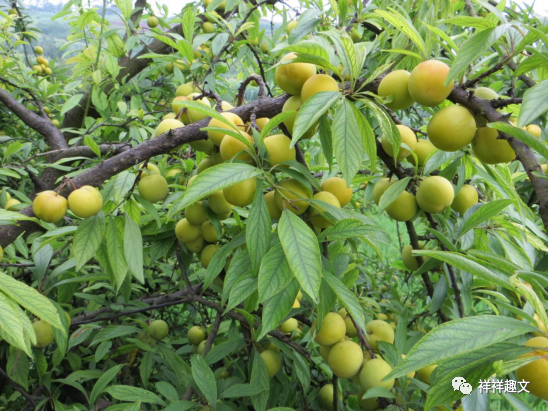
(232, 147)
(489, 149)
(466, 198)
(290, 26)
(425, 373)
(317, 83)
(153, 188)
(426, 83)
(534, 130)
(85, 202)
(345, 359)
(273, 362)
(192, 115)
(296, 304)
(218, 203)
(209, 233)
(196, 213)
(435, 194)
(325, 397)
(48, 71)
(44, 333)
(332, 330)
(289, 195)
(337, 186)
(423, 149)
(241, 194)
(378, 330)
(273, 209)
(216, 136)
(11, 203)
(317, 219)
(396, 84)
(41, 60)
(49, 206)
(452, 128)
(158, 329)
(185, 89)
(294, 103)
(207, 254)
(196, 335)
(408, 137)
(169, 116)
(373, 372)
(208, 27)
(197, 245)
(264, 47)
(226, 106)
(186, 232)
(277, 147)
(262, 122)
(167, 125)
(289, 326)
(291, 77)
(300, 296)
(536, 372)
(402, 208)
(204, 164)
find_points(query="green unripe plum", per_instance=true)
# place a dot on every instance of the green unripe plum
(402, 208)
(489, 149)
(209, 233)
(409, 261)
(332, 330)
(325, 397)
(290, 26)
(196, 335)
(204, 164)
(289, 326)
(202, 145)
(186, 232)
(216, 136)
(369, 404)
(241, 194)
(534, 130)
(435, 194)
(185, 89)
(153, 22)
(345, 359)
(426, 83)
(337, 186)
(351, 330)
(167, 125)
(207, 254)
(318, 83)
(290, 194)
(316, 218)
(39, 50)
(12, 202)
(176, 174)
(49, 206)
(273, 209)
(378, 330)
(13, 12)
(291, 77)
(1, 253)
(423, 150)
(396, 84)
(56, 123)
(231, 148)
(425, 373)
(169, 116)
(294, 103)
(536, 372)
(201, 347)
(466, 198)
(277, 147)
(452, 128)
(150, 169)
(85, 201)
(218, 203)
(264, 47)
(380, 187)
(208, 27)
(44, 333)
(196, 213)
(158, 329)
(37, 69)
(324, 351)
(273, 362)
(486, 93)
(373, 373)
(153, 188)
(408, 137)
(197, 245)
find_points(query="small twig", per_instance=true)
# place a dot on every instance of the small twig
(18, 388)
(261, 68)
(335, 383)
(362, 339)
(472, 82)
(500, 103)
(241, 90)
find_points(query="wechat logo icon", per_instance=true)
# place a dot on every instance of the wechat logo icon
(460, 384)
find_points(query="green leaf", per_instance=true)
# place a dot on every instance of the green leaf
(345, 229)
(484, 213)
(346, 297)
(11, 325)
(457, 337)
(239, 266)
(219, 259)
(535, 143)
(129, 393)
(368, 137)
(259, 376)
(274, 274)
(133, 249)
(188, 24)
(347, 141)
(534, 104)
(204, 379)
(224, 349)
(393, 192)
(276, 308)
(302, 251)
(326, 140)
(88, 238)
(378, 392)
(466, 21)
(17, 368)
(115, 253)
(125, 7)
(405, 26)
(258, 229)
(113, 331)
(244, 287)
(273, 123)
(103, 382)
(31, 300)
(167, 390)
(71, 103)
(241, 390)
(212, 180)
(311, 111)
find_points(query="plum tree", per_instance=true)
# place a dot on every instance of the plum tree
(207, 254)
(50, 206)
(423, 150)
(427, 83)
(218, 203)
(425, 373)
(209, 233)
(294, 103)
(216, 136)
(153, 188)
(153, 22)
(396, 84)
(409, 261)
(435, 194)
(167, 125)
(85, 201)
(232, 148)
(290, 77)
(451, 128)
(287, 327)
(196, 213)
(403, 208)
(351, 330)
(466, 198)
(273, 209)
(536, 372)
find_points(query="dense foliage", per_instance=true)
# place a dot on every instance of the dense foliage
(250, 205)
